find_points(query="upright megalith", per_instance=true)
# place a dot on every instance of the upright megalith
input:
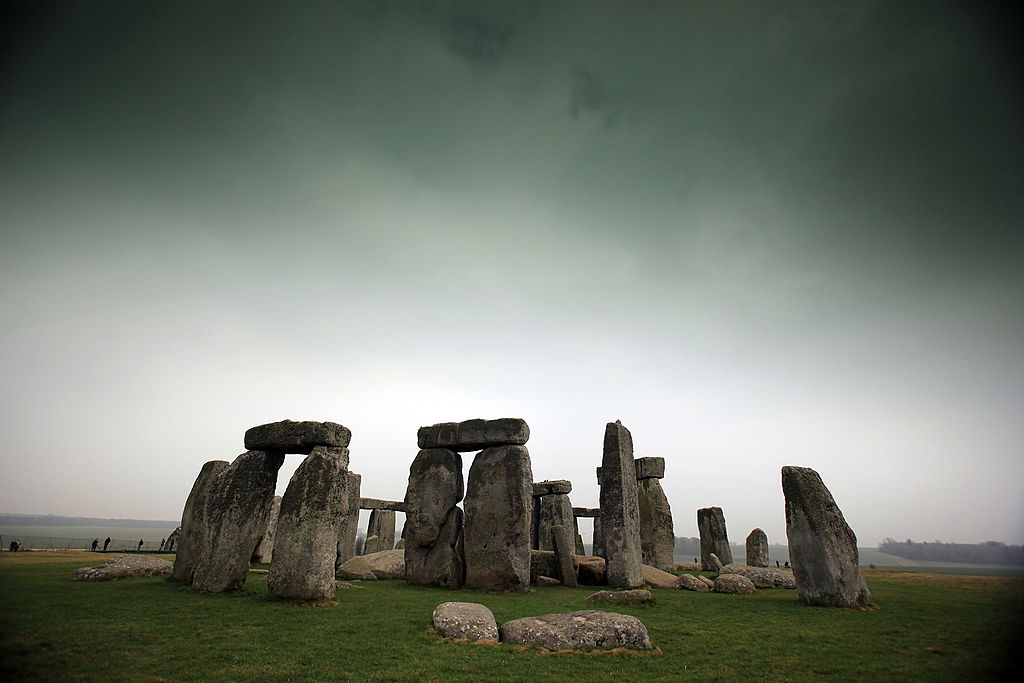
(552, 507)
(264, 551)
(381, 527)
(657, 535)
(499, 502)
(348, 523)
(474, 435)
(822, 546)
(714, 539)
(620, 513)
(236, 511)
(434, 522)
(306, 540)
(287, 436)
(194, 531)
(757, 549)
(563, 555)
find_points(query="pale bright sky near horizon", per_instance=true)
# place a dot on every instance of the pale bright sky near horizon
(758, 234)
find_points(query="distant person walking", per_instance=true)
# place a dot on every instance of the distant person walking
(140, 546)
(106, 543)
(777, 564)
(95, 544)
(162, 541)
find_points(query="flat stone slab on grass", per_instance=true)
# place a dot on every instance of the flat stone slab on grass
(637, 596)
(475, 435)
(123, 566)
(763, 577)
(734, 583)
(465, 620)
(585, 630)
(689, 582)
(387, 564)
(655, 578)
(296, 437)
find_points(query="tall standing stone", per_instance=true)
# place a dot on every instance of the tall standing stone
(822, 546)
(306, 541)
(433, 522)
(555, 509)
(757, 549)
(499, 502)
(714, 539)
(237, 509)
(657, 535)
(620, 513)
(194, 531)
(264, 552)
(348, 523)
(381, 528)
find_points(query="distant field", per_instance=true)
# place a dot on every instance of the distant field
(80, 537)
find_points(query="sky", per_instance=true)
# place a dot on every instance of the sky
(757, 234)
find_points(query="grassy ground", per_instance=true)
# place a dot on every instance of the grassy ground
(926, 627)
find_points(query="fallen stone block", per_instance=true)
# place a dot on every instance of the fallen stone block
(123, 566)
(584, 630)
(465, 620)
(635, 596)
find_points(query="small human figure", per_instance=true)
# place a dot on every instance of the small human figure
(17, 544)
(170, 546)
(95, 544)
(106, 543)
(787, 564)
(140, 546)
(162, 541)
(777, 563)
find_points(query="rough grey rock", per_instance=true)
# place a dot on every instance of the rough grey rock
(548, 488)
(822, 546)
(650, 468)
(655, 578)
(598, 538)
(547, 581)
(387, 564)
(434, 523)
(173, 540)
(757, 548)
(634, 596)
(716, 564)
(713, 536)
(583, 630)
(465, 620)
(123, 566)
(620, 513)
(499, 502)
(563, 556)
(555, 509)
(586, 512)
(297, 437)
(264, 552)
(236, 512)
(193, 527)
(733, 583)
(762, 577)
(690, 582)
(475, 435)
(381, 528)
(400, 544)
(306, 540)
(686, 567)
(348, 523)
(657, 536)
(381, 504)
(707, 582)
(590, 570)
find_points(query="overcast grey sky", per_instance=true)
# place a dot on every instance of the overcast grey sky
(759, 234)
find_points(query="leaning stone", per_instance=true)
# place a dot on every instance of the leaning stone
(757, 548)
(822, 546)
(713, 536)
(465, 620)
(348, 523)
(306, 540)
(620, 513)
(555, 509)
(124, 566)
(287, 436)
(265, 548)
(733, 583)
(650, 468)
(194, 529)
(547, 581)
(499, 500)
(237, 509)
(584, 630)
(763, 577)
(657, 536)
(380, 528)
(655, 578)
(563, 556)
(548, 488)
(716, 564)
(690, 582)
(475, 435)
(434, 523)
(634, 596)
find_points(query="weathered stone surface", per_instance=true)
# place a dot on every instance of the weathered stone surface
(465, 620)
(400, 544)
(348, 523)
(547, 488)
(822, 546)
(713, 536)
(634, 596)
(173, 540)
(620, 513)
(434, 523)
(689, 582)
(236, 512)
(655, 578)
(757, 548)
(657, 536)
(584, 630)
(381, 529)
(590, 570)
(649, 468)
(762, 577)
(598, 538)
(586, 512)
(387, 564)
(716, 564)
(379, 504)
(707, 582)
(475, 435)
(306, 540)
(555, 510)
(123, 566)
(563, 556)
(297, 437)
(194, 531)
(499, 501)
(264, 552)
(547, 581)
(686, 567)
(733, 583)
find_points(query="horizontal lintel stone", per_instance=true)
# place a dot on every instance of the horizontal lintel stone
(650, 468)
(475, 435)
(288, 436)
(547, 488)
(380, 504)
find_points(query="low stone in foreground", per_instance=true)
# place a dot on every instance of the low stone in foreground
(387, 564)
(689, 582)
(465, 620)
(655, 578)
(124, 566)
(584, 630)
(636, 596)
(734, 583)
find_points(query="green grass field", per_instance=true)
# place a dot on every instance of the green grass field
(925, 627)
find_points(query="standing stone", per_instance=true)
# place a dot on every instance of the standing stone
(306, 542)
(657, 535)
(263, 554)
(713, 537)
(555, 509)
(194, 529)
(348, 524)
(822, 546)
(433, 522)
(499, 500)
(757, 549)
(563, 556)
(236, 512)
(382, 527)
(620, 513)
(598, 548)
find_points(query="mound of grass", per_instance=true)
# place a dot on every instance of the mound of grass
(926, 627)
